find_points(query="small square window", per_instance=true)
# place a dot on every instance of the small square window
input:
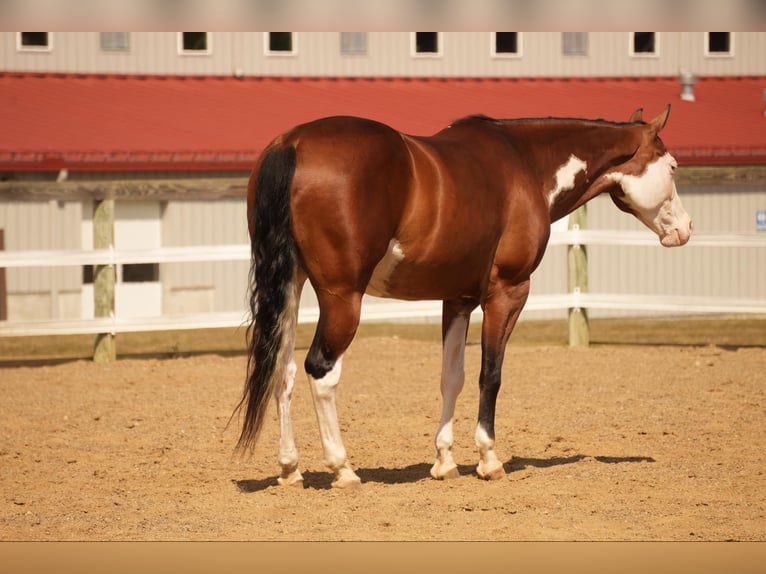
(131, 273)
(506, 43)
(644, 44)
(353, 42)
(574, 43)
(194, 43)
(115, 41)
(427, 43)
(140, 272)
(719, 44)
(280, 43)
(34, 41)
(87, 274)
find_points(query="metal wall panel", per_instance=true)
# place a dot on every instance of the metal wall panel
(42, 293)
(690, 270)
(389, 54)
(221, 285)
(748, 55)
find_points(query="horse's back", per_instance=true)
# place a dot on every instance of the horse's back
(343, 132)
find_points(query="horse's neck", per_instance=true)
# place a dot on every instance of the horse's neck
(579, 178)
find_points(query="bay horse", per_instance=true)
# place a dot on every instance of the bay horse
(462, 216)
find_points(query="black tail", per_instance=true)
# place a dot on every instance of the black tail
(272, 295)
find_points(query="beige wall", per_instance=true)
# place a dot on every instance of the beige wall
(388, 54)
(222, 286)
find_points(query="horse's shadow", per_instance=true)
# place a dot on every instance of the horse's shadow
(417, 472)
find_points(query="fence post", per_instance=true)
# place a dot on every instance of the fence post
(577, 263)
(104, 278)
(3, 284)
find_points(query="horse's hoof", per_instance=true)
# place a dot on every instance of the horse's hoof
(346, 478)
(441, 472)
(495, 474)
(295, 478)
(451, 473)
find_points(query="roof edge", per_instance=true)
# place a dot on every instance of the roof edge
(22, 74)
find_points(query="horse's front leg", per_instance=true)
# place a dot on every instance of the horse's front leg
(455, 319)
(501, 311)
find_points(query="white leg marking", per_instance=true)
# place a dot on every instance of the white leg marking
(378, 285)
(565, 177)
(323, 393)
(288, 453)
(489, 468)
(452, 381)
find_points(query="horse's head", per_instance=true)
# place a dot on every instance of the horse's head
(646, 188)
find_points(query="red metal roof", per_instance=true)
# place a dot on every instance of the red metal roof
(107, 122)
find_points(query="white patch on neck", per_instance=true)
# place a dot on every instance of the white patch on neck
(378, 285)
(565, 177)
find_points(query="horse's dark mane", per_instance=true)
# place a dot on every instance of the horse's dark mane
(488, 119)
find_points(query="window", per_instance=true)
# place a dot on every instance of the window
(194, 43)
(131, 273)
(506, 44)
(140, 272)
(644, 44)
(426, 44)
(353, 42)
(574, 43)
(280, 43)
(115, 41)
(34, 41)
(719, 44)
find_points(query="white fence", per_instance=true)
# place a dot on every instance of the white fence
(393, 310)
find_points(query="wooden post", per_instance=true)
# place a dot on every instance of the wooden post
(3, 284)
(104, 278)
(577, 263)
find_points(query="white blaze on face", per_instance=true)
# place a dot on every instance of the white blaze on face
(565, 177)
(383, 270)
(654, 199)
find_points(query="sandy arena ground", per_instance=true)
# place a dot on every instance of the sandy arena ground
(609, 443)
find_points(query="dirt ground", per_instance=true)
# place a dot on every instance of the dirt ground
(608, 443)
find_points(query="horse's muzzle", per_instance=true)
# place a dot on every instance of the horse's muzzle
(678, 236)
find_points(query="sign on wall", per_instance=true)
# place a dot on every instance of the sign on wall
(760, 219)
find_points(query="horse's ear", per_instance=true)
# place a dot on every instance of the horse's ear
(659, 122)
(636, 116)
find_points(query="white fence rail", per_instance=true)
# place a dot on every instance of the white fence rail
(372, 311)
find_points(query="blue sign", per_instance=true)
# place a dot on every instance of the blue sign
(760, 219)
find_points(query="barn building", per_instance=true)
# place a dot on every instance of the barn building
(170, 123)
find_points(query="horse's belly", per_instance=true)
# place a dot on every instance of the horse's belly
(382, 274)
(399, 277)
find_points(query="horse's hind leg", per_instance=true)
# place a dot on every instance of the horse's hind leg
(338, 320)
(288, 453)
(455, 319)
